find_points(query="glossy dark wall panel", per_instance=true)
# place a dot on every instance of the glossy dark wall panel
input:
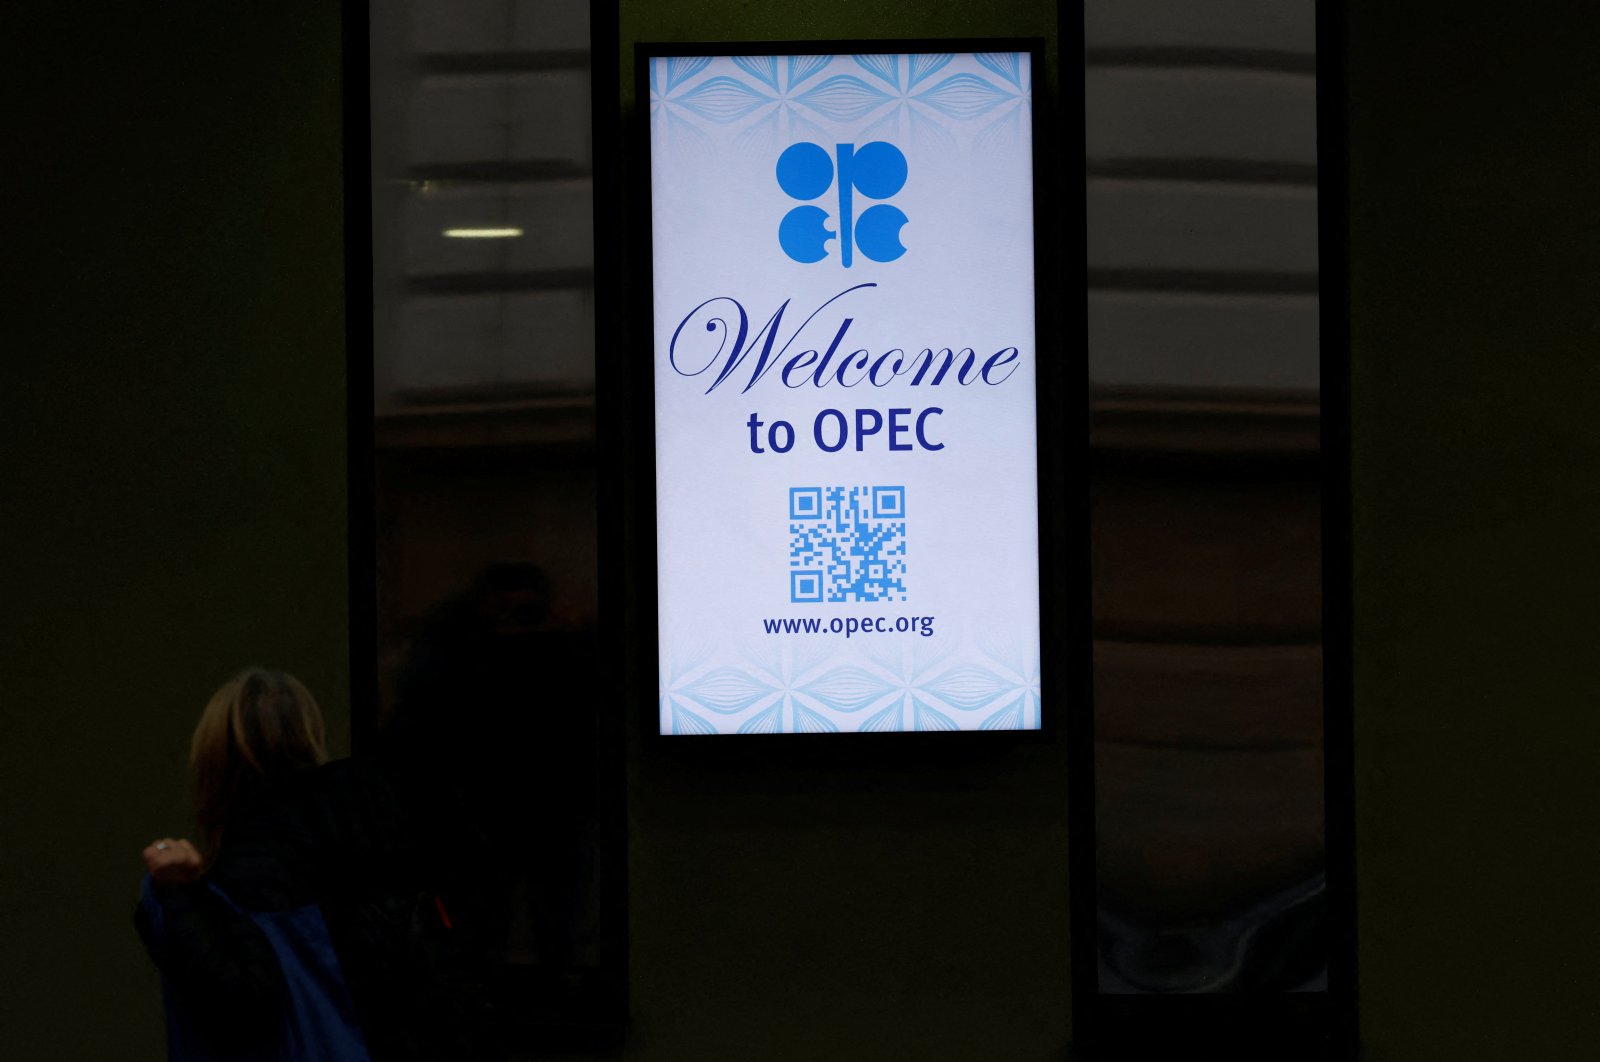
(1206, 490)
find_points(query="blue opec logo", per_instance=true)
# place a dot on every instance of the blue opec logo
(877, 170)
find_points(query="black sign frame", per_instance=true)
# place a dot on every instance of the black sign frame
(628, 395)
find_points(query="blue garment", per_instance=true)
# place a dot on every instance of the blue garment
(319, 1019)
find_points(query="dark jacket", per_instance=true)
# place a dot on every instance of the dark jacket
(360, 839)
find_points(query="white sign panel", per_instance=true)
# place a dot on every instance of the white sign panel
(846, 483)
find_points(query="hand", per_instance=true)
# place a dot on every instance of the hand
(172, 862)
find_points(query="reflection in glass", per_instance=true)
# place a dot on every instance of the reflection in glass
(487, 601)
(1207, 579)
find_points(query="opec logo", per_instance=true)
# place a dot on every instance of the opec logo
(877, 170)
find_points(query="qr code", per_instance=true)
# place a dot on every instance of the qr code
(847, 544)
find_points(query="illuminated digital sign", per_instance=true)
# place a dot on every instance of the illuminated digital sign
(847, 520)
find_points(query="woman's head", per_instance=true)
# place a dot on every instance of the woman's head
(260, 724)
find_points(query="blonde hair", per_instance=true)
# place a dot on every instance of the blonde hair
(262, 724)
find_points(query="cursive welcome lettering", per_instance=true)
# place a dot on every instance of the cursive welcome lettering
(815, 365)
